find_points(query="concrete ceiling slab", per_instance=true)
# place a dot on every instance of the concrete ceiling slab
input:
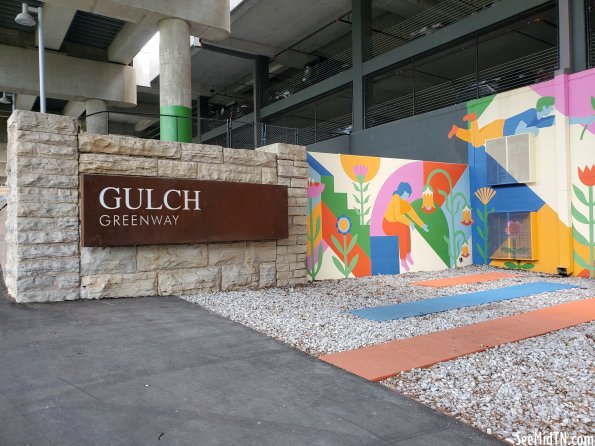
(265, 27)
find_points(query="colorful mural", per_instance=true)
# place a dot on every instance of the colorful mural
(370, 215)
(561, 115)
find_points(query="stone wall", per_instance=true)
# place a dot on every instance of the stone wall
(293, 172)
(43, 216)
(3, 213)
(42, 221)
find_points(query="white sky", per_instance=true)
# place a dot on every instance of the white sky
(234, 3)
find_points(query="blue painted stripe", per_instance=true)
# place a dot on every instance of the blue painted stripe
(319, 168)
(445, 303)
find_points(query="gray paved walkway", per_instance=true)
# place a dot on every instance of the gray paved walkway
(161, 371)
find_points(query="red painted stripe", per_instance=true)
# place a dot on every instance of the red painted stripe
(379, 362)
(460, 280)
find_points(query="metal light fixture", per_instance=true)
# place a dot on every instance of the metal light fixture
(5, 99)
(26, 19)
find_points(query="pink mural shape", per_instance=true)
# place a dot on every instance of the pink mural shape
(577, 104)
(412, 173)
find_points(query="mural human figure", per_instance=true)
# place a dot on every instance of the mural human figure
(400, 219)
(529, 121)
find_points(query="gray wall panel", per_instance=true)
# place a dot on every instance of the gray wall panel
(421, 137)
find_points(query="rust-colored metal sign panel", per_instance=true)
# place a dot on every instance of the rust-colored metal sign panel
(126, 210)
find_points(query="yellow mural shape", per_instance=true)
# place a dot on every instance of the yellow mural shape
(476, 135)
(364, 166)
(550, 255)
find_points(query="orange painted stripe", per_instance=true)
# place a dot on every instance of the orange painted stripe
(460, 280)
(379, 362)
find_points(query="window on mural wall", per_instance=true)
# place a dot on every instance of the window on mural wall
(511, 159)
(510, 235)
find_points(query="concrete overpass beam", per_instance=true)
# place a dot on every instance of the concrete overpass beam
(74, 109)
(129, 42)
(209, 19)
(69, 78)
(56, 20)
(24, 101)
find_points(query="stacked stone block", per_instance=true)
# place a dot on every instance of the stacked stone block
(187, 269)
(42, 224)
(293, 172)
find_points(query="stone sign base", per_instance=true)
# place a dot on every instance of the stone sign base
(44, 260)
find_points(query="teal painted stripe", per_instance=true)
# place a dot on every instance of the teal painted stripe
(439, 304)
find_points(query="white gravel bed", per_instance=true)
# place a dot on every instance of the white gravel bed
(314, 318)
(545, 383)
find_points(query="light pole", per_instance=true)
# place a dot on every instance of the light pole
(26, 19)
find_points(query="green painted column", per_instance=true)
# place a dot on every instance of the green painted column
(176, 123)
(175, 89)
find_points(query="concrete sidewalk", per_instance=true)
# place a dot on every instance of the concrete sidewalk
(161, 371)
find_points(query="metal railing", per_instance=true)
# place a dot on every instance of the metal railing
(248, 135)
(443, 14)
(311, 75)
(527, 70)
(228, 133)
(142, 125)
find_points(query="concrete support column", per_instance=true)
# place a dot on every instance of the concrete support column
(360, 31)
(580, 47)
(174, 81)
(565, 37)
(97, 119)
(261, 80)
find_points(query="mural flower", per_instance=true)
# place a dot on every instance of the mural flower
(466, 216)
(465, 250)
(427, 204)
(343, 227)
(484, 195)
(360, 172)
(361, 169)
(349, 162)
(587, 177)
(315, 250)
(314, 189)
(453, 202)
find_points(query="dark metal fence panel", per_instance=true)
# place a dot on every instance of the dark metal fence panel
(432, 19)
(227, 133)
(310, 76)
(272, 134)
(528, 70)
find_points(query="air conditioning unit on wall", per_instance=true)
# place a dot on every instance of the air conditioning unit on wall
(511, 159)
